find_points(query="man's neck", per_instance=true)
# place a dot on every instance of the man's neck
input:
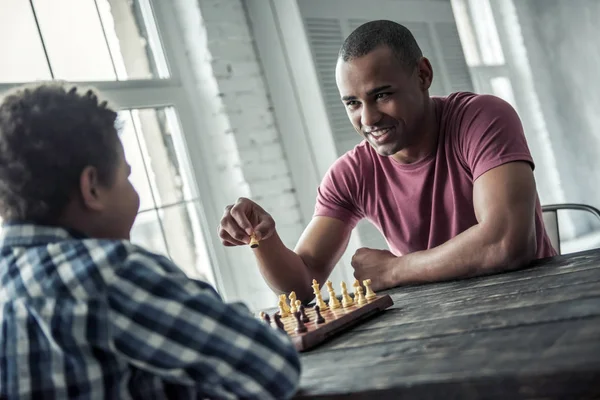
(428, 138)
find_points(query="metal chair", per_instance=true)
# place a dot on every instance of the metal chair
(550, 215)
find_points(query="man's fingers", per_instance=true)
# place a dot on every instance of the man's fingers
(264, 229)
(238, 213)
(229, 240)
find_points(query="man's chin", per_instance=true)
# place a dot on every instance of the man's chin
(386, 150)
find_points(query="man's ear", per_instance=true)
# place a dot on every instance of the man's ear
(91, 191)
(425, 73)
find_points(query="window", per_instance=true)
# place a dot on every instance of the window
(483, 49)
(117, 47)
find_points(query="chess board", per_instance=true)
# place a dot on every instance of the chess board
(336, 321)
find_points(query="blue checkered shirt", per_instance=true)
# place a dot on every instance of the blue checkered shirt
(105, 319)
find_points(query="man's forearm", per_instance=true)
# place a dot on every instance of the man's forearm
(283, 269)
(476, 251)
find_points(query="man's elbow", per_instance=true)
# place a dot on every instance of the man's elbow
(517, 251)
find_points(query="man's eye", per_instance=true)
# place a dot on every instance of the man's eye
(381, 95)
(351, 104)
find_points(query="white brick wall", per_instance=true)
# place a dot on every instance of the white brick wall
(240, 129)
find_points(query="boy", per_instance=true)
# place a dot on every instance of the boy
(83, 312)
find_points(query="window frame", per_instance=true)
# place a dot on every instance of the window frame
(177, 91)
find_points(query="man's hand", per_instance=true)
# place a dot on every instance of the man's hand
(377, 265)
(243, 218)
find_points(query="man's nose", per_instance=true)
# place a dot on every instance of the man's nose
(370, 116)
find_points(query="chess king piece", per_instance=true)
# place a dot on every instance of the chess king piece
(283, 311)
(333, 301)
(361, 297)
(370, 294)
(319, 297)
(293, 307)
(300, 327)
(283, 299)
(346, 299)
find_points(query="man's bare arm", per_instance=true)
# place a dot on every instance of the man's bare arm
(504, 238)
(319, 249)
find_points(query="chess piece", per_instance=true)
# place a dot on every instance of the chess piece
(303, 313)
(265, 317)
(293, 307)
(319, 297)
(300, 327)
(283, 312)
(346, 299)
(282, 297)
(320, 318)
(333, 301)
(253, 241)
(356, 285)
(361, 297)
(370, 293)
(278, 322)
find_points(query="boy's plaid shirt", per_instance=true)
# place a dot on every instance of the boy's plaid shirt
(95, 319)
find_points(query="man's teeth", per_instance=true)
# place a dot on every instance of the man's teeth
(380, 132)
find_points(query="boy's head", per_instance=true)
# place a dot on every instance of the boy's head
(62, 163)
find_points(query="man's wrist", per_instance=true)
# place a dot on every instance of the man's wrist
(395, 271)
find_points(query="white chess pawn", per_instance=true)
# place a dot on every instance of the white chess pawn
(361, 297)
(334, 303)
(346, 299)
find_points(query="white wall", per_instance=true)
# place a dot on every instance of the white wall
(240, 129)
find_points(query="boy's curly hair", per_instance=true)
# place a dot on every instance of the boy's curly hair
(49, 134)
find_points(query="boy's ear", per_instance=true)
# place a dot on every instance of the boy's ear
(91, 191)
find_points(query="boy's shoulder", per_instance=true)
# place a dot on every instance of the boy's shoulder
(58, 262)
(110, 257)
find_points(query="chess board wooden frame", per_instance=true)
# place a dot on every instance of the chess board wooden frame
(336, 321)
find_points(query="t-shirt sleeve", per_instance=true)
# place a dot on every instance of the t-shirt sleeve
(336, 195)
(492, 135)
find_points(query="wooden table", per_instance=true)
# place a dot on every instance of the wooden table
(524, 334)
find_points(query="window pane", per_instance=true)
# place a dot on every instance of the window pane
(159, 135)
(73, 36)
(133, 154)
(465, 31)
(146, 232)
(23, 56)
(101, 40)
(485, 27)
(185, 241)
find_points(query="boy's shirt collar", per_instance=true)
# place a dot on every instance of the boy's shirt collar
(24, 234)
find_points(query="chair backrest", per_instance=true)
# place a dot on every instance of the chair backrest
(551, 224)
(550, 215)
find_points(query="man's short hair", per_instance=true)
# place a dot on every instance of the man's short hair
(374, 34)
(49, 133)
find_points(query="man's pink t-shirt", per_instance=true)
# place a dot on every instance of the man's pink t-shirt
(422, 205)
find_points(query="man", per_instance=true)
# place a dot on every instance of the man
(448, 181)
(84, 313)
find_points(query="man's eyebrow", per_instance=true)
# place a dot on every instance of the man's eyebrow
(369, 93)
(378, 89)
